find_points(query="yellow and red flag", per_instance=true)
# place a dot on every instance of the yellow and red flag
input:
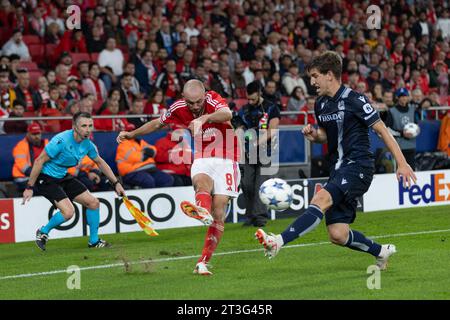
(143, 221)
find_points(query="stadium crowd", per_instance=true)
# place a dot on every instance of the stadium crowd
(133, 57)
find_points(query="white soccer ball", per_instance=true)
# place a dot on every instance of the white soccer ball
(276, 194)
(412, 129)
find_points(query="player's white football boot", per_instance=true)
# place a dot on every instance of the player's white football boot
(196, 212)
(386, 251)
(202, 269)
(272, 243)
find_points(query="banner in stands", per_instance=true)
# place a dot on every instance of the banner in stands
(386, 193)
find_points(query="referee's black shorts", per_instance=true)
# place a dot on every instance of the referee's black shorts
(55, 189)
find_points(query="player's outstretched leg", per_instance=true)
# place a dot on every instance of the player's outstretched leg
(302, 225)
(201, 210)
(357, 241)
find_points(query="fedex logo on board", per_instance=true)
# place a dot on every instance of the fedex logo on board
(437, 190)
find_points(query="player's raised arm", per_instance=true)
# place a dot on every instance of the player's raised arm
(35, 171)
(149, 127)
(403, 169)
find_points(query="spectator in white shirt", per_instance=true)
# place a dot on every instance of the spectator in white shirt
(292, 79)
(15, 45)
(110, 61)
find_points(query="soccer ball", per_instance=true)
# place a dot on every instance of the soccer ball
(276, 194)
(412, 128)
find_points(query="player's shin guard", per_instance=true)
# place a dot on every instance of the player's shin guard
(55, 221)
(93, 221)
(357, 241)
(212, 239)
(303, 224)
(203, 199)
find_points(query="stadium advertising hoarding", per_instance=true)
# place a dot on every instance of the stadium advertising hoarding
(386, 193)
(18, 223)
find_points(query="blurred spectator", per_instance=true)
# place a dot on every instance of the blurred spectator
(174, 157)
(15, 45)
(398, 117)
(296, 102)
(25, 152)
(146, 72)
(115, 124)
(52, 34)
(156, 103)
(309, 109)
(94, 85)
(95, 42)
(223, 84)
(272, 94)
(25, 93)
(51, 77)
(37, 23)
(7, 93)
(170, 82)
(137, 108)
(165, 38)
(114, 30)
(292, 79)
(73, 106)
(136, 165)
(111, 61)
(54, 101)
(239, 81)
(83, 69)
(126, 95)
(73, 92)
(131, 69)
(19, 126)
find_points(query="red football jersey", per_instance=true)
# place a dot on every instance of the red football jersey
(218, 140)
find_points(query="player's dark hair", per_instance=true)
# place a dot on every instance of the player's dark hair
(327, 61)
(254, 87)
(81, 114)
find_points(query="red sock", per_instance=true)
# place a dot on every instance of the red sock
(203, 199)
(212, 239)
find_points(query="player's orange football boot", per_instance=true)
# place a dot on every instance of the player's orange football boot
(196, 212)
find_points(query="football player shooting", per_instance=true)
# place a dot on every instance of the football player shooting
(344, 118)
(50, 179)
(215, 175)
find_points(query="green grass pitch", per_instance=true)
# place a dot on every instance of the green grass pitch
(142, 267)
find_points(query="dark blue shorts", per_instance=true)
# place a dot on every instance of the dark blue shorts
(346, 185)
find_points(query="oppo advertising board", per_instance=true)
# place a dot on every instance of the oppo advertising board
(386, 193)
(18, 223)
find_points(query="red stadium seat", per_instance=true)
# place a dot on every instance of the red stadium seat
(94, 56)
(31, 39)
(77, 57)
(126, 57)
(284, 102)
(29, 65)
(37, 52)
(240, 103)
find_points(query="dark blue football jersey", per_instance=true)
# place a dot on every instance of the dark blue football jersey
(346, 118)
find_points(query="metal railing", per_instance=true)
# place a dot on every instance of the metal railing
(437, 109)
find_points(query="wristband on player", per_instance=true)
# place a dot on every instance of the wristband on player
(28, 187)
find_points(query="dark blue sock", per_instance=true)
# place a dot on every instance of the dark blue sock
(303, 224)
(358, 241)
(55, 221)
(93, 221)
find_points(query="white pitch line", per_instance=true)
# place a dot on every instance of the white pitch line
(115, 265)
